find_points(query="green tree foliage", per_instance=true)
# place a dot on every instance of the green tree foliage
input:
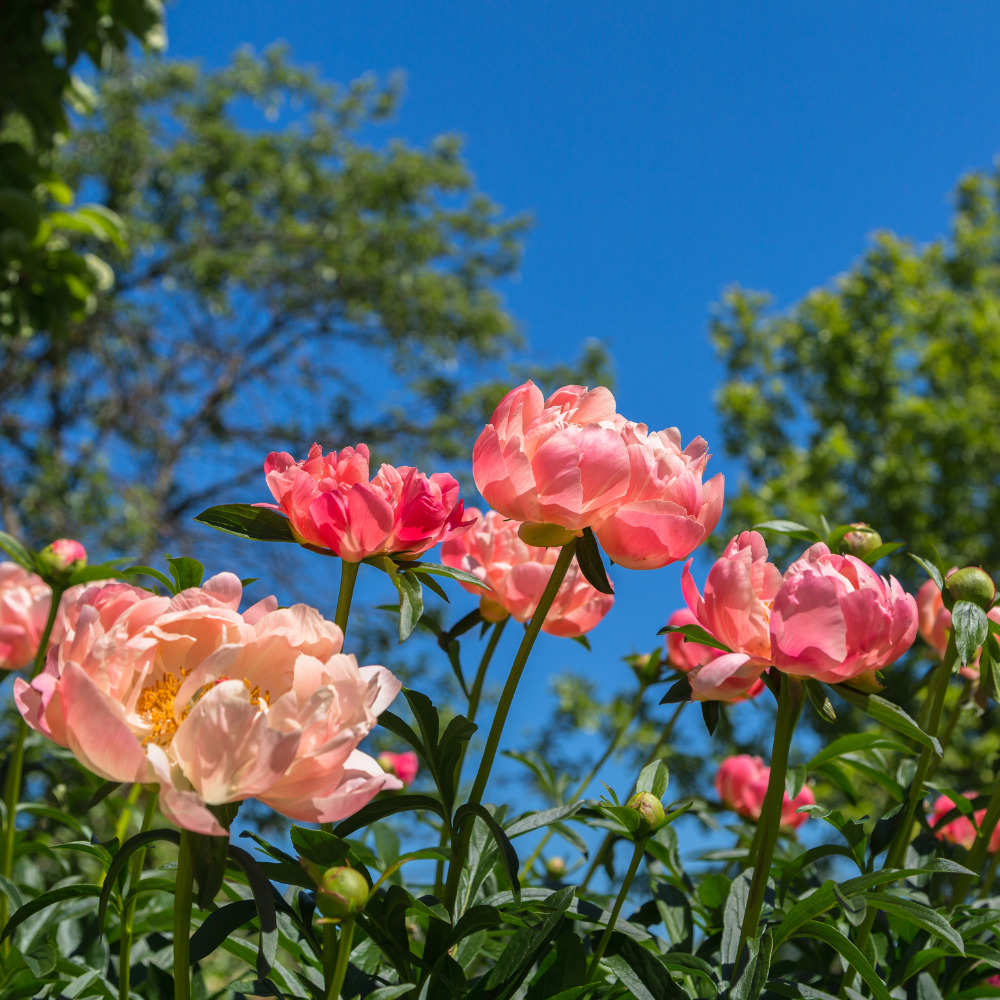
(877, 398)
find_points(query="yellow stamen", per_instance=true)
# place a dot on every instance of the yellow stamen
(256, 697)
(156, 705)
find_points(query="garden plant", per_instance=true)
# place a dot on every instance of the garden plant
(153, 704)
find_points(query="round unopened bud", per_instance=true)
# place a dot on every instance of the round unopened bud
(491, 611)
(862, 540)
(650, 810)
(544, 535)
(971, 584)
(555, 867)
(60, 558)
(342, 893)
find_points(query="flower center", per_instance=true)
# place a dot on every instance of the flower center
(156, 706)
(256, 697)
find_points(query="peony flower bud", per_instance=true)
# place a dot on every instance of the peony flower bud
(61, 557)
(862, 540)
(555, 867)
(971, 584)
(650, 810)
(342, 893)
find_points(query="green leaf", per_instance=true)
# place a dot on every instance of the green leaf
(45, 900)
(654, 778)
(881, 552)
(695, 633)
(536, 820)
(969, 623)
(820, 701)
(678, 692)
(508, 856)
(754, 976)
(154, 574)
(791, 528)
(930, 569)
(888, 714)
(588, 556)
(711, 712)
(411, 602)
(381, 808)
(187, 572)
(102, 792)
(21, 555)
(319, 847)
(852, 743)
(646, 977)
(264, 902)
(847, 950)
(218, 925)
(919, 915)
(121, 860)
(437, 569)
(246, 521)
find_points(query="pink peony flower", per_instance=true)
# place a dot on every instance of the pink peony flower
(403, 765)
(741, 784)
(688, 656)
(517, 574)
(960, 831)
(666, 512)
(332, 505)
(736, 609)
(24, 608)
(214, 705)
(835, 618)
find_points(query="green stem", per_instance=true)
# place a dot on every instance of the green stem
(503, 708)
(668, 730)
(991, 874)
(640, 846)
(897, 849)
(128, 917)
(949, 728)
(348, 576)
(15, 769)
(183, 898)
(329, 956)
(343, 956)
(789, 709)
(977, 855)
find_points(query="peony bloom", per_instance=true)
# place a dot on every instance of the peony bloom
(960, 831)
(561, 461)
(403, 765)
(332, 505)
(934, 623)
(688, 656)
(835, 618)
(517, 574)
(666, 512)
(741, 784)
(213, 705)
(736, 609)
(24, 609)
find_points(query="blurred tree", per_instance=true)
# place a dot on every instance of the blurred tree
(878, 398)
(282, 283)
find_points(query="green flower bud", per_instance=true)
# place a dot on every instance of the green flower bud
(555, 867)
(970, 584)
(862, 540)
(650, 810)
(544, 535)
(59, 559)
(342, 893)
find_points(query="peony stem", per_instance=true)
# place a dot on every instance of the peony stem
(135, 873)
(15, 769)
(348, 576)
(330, 957)
(668, 730)
(183, 898)
(640, 846)
(343, 957)
(897, 848)
(789, 708)
(949, 727)
(503, 708)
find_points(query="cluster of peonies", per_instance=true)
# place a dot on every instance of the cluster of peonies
(960, 831)
(741, 784)
(213, 705)
(25, 600)
(516, 573)
(830, 617)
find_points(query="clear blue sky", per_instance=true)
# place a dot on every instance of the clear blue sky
(666, 150)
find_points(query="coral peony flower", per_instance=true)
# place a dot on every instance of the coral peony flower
(561, 461)
(332, 505)
(741, 784)
(960, 831)
(517, 574)
(24, 608)
(835, 618)
(736, 608)
(688, 656)
(403, 765)
(666, 512)
(214, 705)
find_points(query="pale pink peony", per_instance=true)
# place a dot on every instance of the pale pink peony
(741, 784)
(403, 765)
(517, 574)
(666, 512)
(214, 705)
(835, 618)
(960, 831)
(561, 461)
(736, 608)
(332, 505)
(688, 656)
(24, 608)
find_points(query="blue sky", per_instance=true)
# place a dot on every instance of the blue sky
(666, 151)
